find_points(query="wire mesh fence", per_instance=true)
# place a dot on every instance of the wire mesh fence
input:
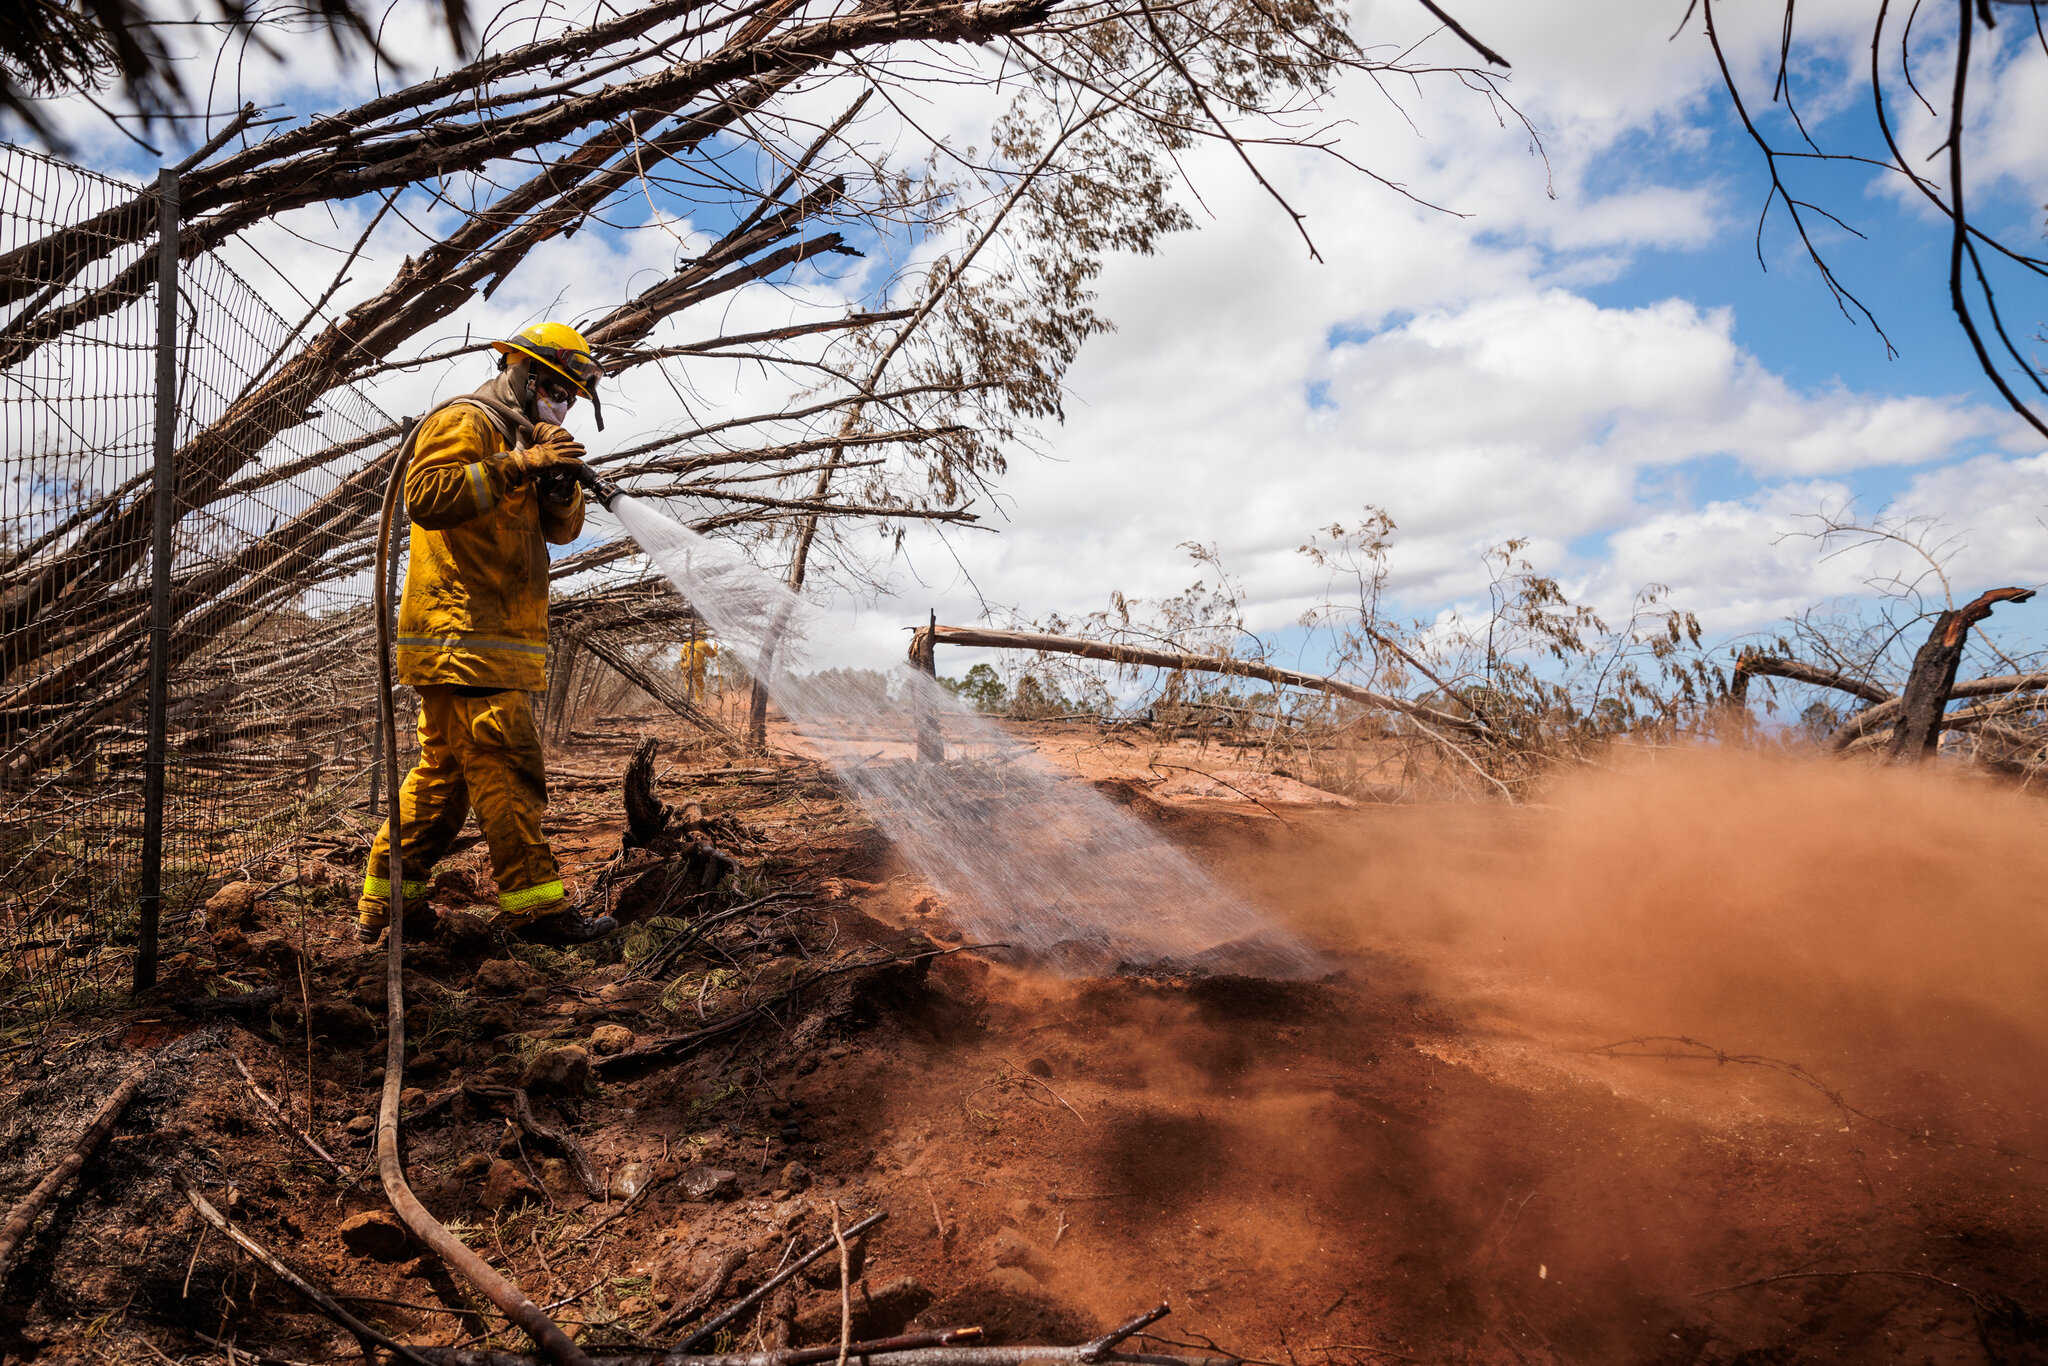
(269, 726)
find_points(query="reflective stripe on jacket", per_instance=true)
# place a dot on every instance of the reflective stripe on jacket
(475, 610)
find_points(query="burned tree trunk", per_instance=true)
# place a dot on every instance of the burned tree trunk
(1933, 679)
(686, 865)
(646, 814)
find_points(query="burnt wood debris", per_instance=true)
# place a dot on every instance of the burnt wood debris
(1908, 725)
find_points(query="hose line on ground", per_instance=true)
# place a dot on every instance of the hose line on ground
(429, 1230)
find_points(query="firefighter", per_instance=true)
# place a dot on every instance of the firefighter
(697, 654)
(491, 483)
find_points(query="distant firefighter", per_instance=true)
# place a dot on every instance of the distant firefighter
(696, 656)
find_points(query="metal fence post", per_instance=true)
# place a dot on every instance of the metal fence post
(164, 490)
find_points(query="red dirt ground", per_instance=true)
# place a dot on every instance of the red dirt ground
(1429, 1156)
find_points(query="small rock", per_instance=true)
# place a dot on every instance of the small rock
(424, 956)
(410, 1099)
(503, 976)
(495, 1020)
(796, 1176)
(564, 1071)
(435, 1061)
(376, 1235)
(894, 1304)
(823, 1274)
(340, 1021)
(556, 1176)
(178, 977)
(630, 1179)
(234, 904)
(1014, 1279)
(362, 1124)
(608, 1039)
(472, 1167)
(1011, 1248)
(710, 1183)
(280, 955)
(506, 1187)
(464, 933)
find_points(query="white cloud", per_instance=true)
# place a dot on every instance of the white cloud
(1536, 415)
(1473, 391)
(1553, 379)
(1484, 398)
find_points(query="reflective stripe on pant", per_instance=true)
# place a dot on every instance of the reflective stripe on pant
(482, 753)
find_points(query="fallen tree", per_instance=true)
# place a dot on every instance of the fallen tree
(926, 637)
(1916, 715)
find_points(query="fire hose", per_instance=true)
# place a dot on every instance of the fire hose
(390, 1169)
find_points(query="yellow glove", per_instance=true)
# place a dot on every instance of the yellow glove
(555, 452)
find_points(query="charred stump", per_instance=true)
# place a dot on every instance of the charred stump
(1926, 696)
(646, 814)
(667, 850)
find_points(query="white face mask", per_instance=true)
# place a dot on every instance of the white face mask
(547, 410)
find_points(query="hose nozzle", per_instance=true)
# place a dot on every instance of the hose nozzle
(597, 486)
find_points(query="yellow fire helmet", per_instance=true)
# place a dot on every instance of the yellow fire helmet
(560, 348)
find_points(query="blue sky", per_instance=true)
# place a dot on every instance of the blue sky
(1591, 358)
(1609, 371)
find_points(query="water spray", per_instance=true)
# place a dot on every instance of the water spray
(1025, 856)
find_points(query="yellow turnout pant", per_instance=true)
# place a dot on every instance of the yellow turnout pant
(480, 752)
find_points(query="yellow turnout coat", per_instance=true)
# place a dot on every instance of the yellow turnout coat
(475, 611)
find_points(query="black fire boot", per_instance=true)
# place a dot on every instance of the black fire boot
(419, 928)
(566, 927)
